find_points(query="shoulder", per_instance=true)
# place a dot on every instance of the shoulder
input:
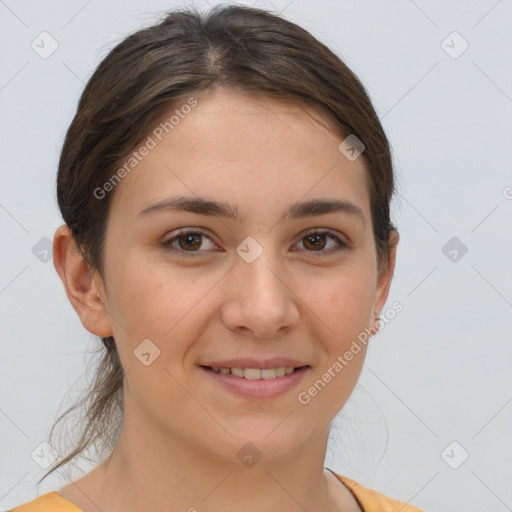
(371, 500)
(49, 502)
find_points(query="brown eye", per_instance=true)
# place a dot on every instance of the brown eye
(315, 242)
(318, 240)
(188, 242)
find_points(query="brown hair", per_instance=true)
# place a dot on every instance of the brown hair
(156, 68)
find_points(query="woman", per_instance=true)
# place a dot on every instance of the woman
(225, 186)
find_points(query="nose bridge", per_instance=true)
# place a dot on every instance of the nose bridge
(257, 266)
(259, 299)
(263, 278)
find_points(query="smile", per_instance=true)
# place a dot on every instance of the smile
(257, 382)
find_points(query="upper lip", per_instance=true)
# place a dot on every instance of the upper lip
(248, 362)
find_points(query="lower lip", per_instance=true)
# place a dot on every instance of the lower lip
(258, 388)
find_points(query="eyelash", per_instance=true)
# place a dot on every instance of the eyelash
(167, 245)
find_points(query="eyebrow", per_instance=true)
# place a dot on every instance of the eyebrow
(203, 206)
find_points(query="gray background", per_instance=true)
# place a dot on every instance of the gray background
(439, 372)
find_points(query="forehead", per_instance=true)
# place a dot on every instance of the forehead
(252, 150)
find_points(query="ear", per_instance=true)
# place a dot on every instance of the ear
(83, 285)
(384, 280)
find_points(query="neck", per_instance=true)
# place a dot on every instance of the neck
(156, 470)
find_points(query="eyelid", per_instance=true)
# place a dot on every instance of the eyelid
(327, 231)
(341, 241)
(183, 232)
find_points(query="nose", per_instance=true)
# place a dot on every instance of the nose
(260, 300)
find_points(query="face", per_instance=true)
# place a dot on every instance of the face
(267, 286)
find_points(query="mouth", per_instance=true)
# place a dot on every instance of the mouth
(257, 383)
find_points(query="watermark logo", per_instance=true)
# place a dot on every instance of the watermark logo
(44, 45)
(454, 45)
(352, 147)
(454, 455)
(249, 455)
(45, 455)
(43, 250)
(454, 249)
(146, 352)
(249, 249)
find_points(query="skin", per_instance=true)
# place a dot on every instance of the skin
(181, 431)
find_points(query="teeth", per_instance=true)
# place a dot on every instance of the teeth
(252, 373)
(257, 373)
(238, 372)
(269, 373)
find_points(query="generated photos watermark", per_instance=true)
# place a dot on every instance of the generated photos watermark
(150, 143)
(304, 397)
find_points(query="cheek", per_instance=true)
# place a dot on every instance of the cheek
(344, 305)
(344, 302)
(150, 300)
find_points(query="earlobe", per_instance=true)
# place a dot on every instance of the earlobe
(83, 285)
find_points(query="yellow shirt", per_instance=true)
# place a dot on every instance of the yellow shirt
(368, 499)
